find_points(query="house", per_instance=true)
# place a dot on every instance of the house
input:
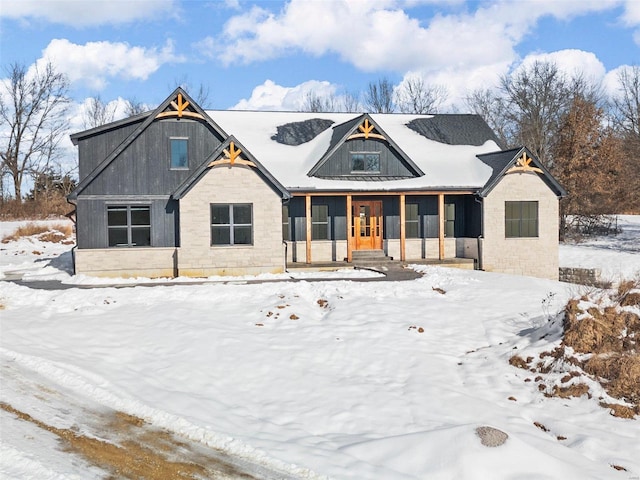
(183, 191)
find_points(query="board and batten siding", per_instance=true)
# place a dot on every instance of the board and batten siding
(143, 168)
(94, 149)
(91, 226)
(339, 164)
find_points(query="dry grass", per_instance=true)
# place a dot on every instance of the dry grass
(139, 451)
(607, 328)
(55, 233)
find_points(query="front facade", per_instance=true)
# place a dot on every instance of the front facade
(183, 192)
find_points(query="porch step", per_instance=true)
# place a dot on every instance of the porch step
(369, 258)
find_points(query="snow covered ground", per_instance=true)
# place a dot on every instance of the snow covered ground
(339, 378)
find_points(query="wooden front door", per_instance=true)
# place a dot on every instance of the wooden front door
(366, 224)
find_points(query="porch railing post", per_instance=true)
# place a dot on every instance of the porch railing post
(403, 233)
(307, 201)
(349, 229)
(441, 226)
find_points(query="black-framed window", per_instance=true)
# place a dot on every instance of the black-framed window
(521, 219)
(319, 222)
(411, 221)
(450, 220)
(129, 225)
(231, 224)
(365, 162)
(179, 153)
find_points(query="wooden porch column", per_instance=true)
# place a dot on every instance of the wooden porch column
(403, 233)
(349, 236)
(441, 226)
(307, 202)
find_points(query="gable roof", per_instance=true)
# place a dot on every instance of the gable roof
(164, 109)
(503, 161)
(198, 173)
(444, 166)
(341, 134)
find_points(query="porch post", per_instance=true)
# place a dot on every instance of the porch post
(403, 233)
(349, 237)
(441, 226)
(307, 202)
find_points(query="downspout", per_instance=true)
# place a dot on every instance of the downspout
(72, 216)
(481, 236)
(286, 201)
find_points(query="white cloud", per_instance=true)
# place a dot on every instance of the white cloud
(380, 35)
(271, 96)
(571, 62)
(95, 63)
(631, 16)
(82, 13)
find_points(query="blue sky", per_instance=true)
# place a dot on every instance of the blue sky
(269, 54)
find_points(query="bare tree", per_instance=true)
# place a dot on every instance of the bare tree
(379, 97)
(626, 103)
(351, 102)
(199, 94)
(416, 96)
(33, 104)
(315, 103)
(98, 112)
(492, 108)
(134, 107)
(538, 97)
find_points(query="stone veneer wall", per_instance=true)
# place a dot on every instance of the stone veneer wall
(536, 257)
(126, 262)
(224, 184)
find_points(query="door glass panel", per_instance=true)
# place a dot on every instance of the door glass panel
(365, 221)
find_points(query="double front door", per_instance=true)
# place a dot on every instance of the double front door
(366, 224)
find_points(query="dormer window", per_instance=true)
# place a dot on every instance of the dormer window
(365, 162)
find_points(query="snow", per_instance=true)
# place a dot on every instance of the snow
(315, 379)
(616, 256)
(444, 166)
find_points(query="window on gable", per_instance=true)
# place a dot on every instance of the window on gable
(411, 221)
(365, 162)
(319, 222)
(521, 219)
(179, 157)
(129, 226)
(232, 224)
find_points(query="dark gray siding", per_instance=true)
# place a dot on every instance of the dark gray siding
(93, 150)
(143, 168)
(92, 221)
(337, 217)
(339, 164)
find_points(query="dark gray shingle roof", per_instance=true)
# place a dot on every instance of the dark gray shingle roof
(454, 129)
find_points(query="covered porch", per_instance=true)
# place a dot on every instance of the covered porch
(331, 228)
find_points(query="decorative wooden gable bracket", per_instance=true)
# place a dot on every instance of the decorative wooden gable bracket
(180, 106)
(231, 157)
(523, 164)
(366, 130)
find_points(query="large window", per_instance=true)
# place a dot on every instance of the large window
(179, 157)
(365, 162)
(411, 221)
(521, 219)
(129, 225)
(319, 222)
(231, 224)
